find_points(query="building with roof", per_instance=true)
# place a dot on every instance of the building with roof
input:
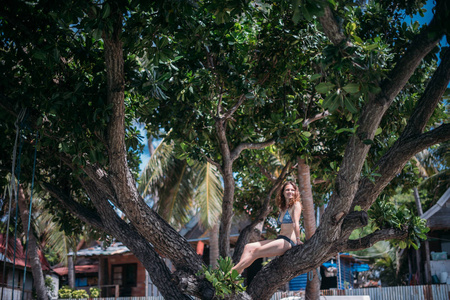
(13, 266)
(114, 269)
(339, 272)
(438, 220)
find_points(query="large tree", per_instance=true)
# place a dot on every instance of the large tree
(224, 77)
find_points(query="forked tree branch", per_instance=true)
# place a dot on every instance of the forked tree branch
(393, 162)
(315, 118)
(411, 140)
(244, 146)
(232, 110)
(331, 27)
(431, 97)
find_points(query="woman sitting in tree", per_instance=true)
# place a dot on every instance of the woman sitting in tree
(288, 201)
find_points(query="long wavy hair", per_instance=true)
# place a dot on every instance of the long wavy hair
(281, 200)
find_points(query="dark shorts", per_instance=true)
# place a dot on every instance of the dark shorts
(286, 239)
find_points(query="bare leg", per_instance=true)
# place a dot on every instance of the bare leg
(261, 249)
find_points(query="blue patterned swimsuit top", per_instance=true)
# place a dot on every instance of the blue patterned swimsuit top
(286, 219)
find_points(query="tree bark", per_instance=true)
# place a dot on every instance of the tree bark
(159, 273)
(349, 191)
(226, 169)
(304, 179)
(33, 250)
(214, 245)
(106, 220)
(118, 182)
(71, 270)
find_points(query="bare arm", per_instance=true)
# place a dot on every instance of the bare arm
(297, 211)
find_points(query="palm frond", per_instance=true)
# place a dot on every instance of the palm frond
(426, 162)
(155, 170)
(50, 234)
(176, 193)
(209, 194)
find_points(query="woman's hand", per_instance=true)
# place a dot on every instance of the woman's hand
(299, 242)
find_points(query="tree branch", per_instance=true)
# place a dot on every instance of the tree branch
(266, 173)
(231, 111)
(369, 240)
(431, 97)
(421, 45)
(348, 179)
(140, 247)
(315, 118)
(355, 219)
(83, 213)
(237, 151)
(217, 165)
(331, 27)
(394, 160)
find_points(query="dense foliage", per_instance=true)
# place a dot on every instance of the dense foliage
(248, 87)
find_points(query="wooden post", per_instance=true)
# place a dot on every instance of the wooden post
(116, 293)
(100, 273)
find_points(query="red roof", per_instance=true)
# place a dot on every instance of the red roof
(20, 253)
(78, 269)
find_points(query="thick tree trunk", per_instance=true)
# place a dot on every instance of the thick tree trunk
(126, 233)
(350, 190)
(118, 183)
(33, 251)
(304, 179)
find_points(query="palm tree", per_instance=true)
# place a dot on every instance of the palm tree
(55, 240)
(434, 167)
(32, 246)
(178, 190)
(309, 219)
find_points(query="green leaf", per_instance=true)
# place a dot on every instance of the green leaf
(297, 121)
(371, 46)
(357, 208)
(306, 133)
(357, 39)
(324, 87)
(315, 77)
(352, 88)
(352, 130)
(368, 142)
(97, 34)
(378, 131)
(41, 55)
(329, 100)
(106, 11)
(249, 96)
(349, 105)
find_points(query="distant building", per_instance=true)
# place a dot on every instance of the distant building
(12, 269)
(438, 219)
(114, 269)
